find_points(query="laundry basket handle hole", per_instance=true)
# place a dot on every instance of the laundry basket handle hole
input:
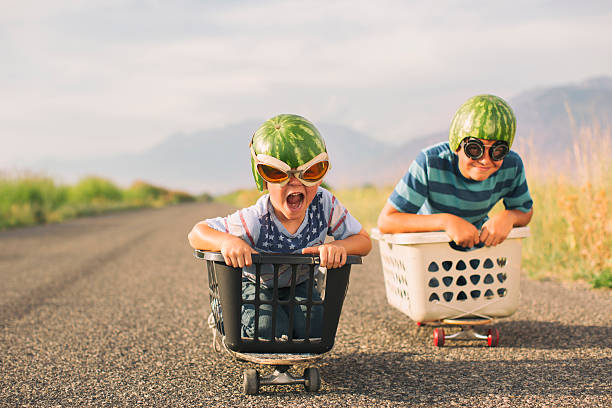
(458, 247)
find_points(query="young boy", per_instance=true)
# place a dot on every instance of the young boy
(289, 158)
(453, 186)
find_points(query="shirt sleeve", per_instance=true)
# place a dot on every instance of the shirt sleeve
(341, 223)
(411, 191)
(519, 198)
(243, 223)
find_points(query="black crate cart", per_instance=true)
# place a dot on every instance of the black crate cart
(226, 301)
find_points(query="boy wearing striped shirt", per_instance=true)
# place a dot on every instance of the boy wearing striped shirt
(453, 185)
(289, 159)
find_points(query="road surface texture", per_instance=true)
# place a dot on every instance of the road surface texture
(111, 311)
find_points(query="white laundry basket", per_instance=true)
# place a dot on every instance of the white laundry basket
(429, 280)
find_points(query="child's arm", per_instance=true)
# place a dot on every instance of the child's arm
(493, 232)
(497, 228)
(235, 251)
(333, 254)
(392, 221)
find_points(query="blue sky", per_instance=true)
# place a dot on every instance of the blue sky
(85, 78)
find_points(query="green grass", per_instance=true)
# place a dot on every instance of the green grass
(30, 199)
(240, 198)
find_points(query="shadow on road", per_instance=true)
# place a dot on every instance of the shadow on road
(553, 335)
(526, 334)
(393, 376)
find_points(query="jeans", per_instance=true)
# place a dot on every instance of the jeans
(282, 312)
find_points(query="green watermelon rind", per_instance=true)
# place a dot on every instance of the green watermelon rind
(485, 117)
(288, 137)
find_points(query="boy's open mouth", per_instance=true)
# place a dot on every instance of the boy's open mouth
(295, 200)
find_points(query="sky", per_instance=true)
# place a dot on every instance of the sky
(90, 78)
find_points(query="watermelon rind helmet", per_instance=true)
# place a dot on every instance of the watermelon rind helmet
(290, 138)
(486, 117)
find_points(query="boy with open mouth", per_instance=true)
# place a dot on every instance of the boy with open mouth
(289, 159)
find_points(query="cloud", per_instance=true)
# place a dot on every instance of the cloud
(101, 77)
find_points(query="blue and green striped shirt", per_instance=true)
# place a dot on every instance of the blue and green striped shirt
(434, 185)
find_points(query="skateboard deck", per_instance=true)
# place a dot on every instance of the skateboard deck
(275, 358)
(468, 321)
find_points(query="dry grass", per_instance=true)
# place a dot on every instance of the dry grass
(365, 203)
(571, 228)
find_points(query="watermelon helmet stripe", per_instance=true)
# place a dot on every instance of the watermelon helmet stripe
(486, 117)
(292, 139)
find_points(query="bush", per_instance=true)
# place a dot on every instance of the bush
(95, 190)
(30, 199)
(142, 193)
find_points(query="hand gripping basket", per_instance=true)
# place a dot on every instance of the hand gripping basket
(225, 284)
(428, 279)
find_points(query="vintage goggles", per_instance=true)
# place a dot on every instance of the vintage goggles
(277, 171)
(475, 149)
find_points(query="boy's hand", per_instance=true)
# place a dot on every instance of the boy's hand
(462, 232)
(236, 252)
(496, 230)
(331, 256)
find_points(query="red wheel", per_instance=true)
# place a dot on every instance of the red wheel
(438, 337)
(419, 324)
(493, 337)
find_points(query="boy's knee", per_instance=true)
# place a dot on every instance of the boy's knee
(265, 323)
(304, 330)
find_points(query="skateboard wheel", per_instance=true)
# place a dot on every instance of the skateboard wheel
(312, 379)
(438, 337)
(419, 324)
(250, 385)
(493, 337)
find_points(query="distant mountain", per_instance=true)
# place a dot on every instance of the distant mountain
(548, 119)
(217, 160)
(552, 117)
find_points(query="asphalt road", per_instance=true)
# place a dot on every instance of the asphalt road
(111, 311)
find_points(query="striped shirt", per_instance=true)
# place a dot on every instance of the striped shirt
(433, 184)
(259, 227)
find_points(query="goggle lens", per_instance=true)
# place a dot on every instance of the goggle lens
(316, 171)
(271, 174)
(498, 152)
(312, 174)
(474, 150)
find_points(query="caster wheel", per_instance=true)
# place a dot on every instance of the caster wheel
(250, 384)
(438, 336)
(493, 337)
(313, 379)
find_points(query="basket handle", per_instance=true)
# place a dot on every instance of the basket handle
(458, 247)
(274, 258)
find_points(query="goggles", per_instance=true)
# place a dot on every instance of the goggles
(475, 149)
(277, 171)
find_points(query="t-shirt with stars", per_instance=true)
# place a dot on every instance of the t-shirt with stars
(259, 227)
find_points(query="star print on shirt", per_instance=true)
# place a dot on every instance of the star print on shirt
(272, 239)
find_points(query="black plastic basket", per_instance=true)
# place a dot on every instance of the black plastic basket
(225, 287)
